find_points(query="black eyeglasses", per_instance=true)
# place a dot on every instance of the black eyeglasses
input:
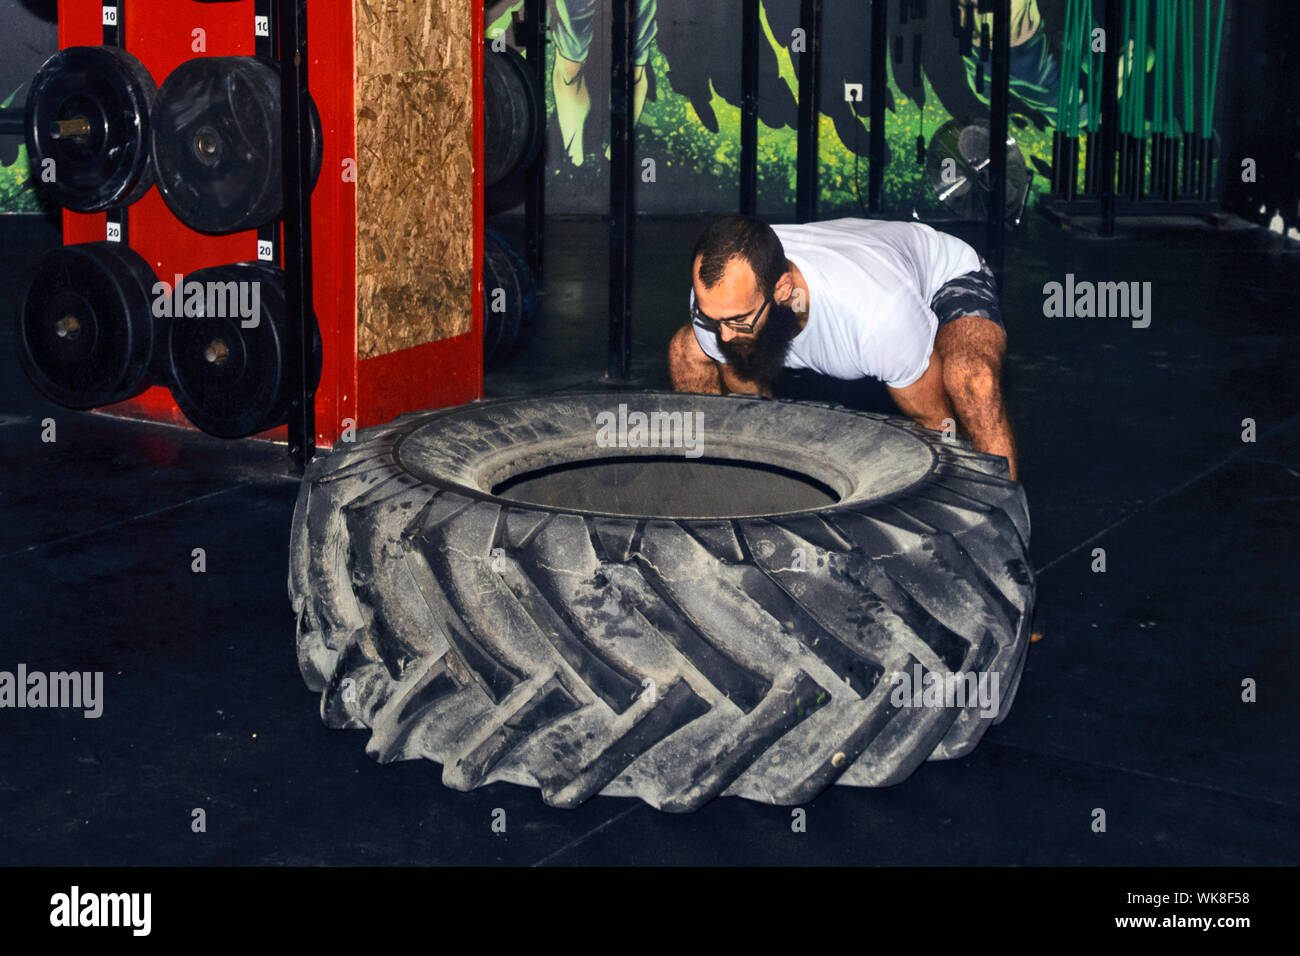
(713, 325)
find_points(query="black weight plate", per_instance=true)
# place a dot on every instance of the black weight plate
(273, 278)
(514, 115)
(506, 331)
(109, 165)
(499, 328)
(231, 381)
(217, 143)
(316, 141)
(86, 330)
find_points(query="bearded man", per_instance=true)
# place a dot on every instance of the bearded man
(851, 299)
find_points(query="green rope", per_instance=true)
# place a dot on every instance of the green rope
(1158, 100)
(1214, 69)
(1125, 95)
(1140, 70)
(1098, 62)
(1205, 63)
(1084, 67)
(1189, 87)
(1080, 44)
(1063, 93)
(1173, 61)
(1171, 52)
(1076, 56)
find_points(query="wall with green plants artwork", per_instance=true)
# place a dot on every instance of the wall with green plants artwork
(687, 56)
(28, 35)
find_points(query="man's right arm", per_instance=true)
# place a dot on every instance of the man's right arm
(694, 370)
(690, 369)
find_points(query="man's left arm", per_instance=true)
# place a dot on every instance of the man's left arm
(925, 401)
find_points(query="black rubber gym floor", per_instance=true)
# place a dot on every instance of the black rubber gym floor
(1131, 440)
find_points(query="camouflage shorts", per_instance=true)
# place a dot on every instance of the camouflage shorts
(974, 293)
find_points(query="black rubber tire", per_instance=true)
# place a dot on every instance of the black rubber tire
(531, 663)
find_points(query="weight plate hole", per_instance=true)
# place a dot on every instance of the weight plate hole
(78, 127)
(68, 328)
(207, 144)
(217, 352)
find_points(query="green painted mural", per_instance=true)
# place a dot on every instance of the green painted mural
(30, 36)
(688, 130)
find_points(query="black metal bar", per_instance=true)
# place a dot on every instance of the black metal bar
(810, 20)
(1072, 167)
(291, 18)
(114, 34)
(1122, 145)
(12, 121)
(998, 104)
(1157, 163)
(1058, 161)
(1140, 169)
(1205, 158)
(535, 186)
(621, 226)
(749, 31)
(1110, 116)
(1171, 167)
(876, 145)
(265, 35)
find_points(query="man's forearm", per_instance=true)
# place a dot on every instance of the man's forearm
(691, 370)
(696, 378)
(993, 436)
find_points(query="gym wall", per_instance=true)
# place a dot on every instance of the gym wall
(30, 36)
(1262, 116)
(690, 125)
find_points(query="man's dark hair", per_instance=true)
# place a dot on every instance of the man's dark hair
(745, 237)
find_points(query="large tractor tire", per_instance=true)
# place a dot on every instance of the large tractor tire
(541, 591)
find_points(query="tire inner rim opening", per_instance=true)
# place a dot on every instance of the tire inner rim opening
(663, 486)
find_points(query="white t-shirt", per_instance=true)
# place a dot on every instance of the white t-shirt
(869, 288)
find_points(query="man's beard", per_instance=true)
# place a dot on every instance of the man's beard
(761, 358)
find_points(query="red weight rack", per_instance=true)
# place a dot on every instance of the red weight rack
(368, 391)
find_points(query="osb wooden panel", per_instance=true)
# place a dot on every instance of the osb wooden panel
(414, 107)
(403, 36)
